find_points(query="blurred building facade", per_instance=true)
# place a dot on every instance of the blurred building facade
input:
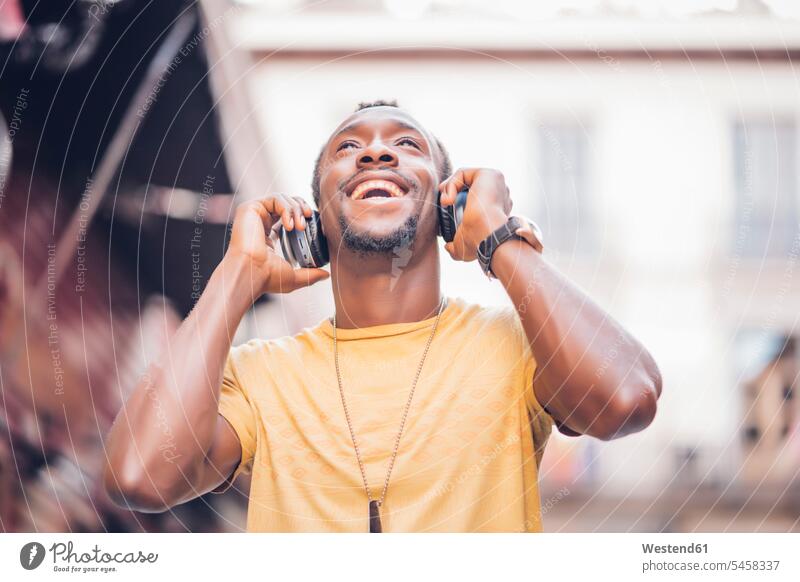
(114, 206)
(659, 154)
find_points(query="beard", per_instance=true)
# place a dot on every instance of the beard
(368, 244)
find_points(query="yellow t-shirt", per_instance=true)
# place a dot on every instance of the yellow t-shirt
(469, 455)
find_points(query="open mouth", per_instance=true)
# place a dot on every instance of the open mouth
(377, 189)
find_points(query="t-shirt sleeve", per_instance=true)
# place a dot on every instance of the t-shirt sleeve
(541, 422)
(235, 407)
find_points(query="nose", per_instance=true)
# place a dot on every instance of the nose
(377, 155)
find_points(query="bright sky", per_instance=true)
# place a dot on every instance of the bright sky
(540, 8)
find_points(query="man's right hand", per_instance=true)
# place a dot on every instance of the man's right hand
(186, 380)
(250, 247)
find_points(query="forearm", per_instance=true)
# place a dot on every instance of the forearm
(592, 374)
(160, 439)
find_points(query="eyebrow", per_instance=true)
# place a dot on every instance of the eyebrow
(357, 124)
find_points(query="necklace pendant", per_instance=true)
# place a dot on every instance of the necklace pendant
(374, 517)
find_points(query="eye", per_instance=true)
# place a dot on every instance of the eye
(408, 141)
(346, 145)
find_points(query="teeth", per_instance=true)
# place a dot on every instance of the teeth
(390, 187)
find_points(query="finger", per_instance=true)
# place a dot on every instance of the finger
(248, 209)
(287, 216)
(462, 178)
(271, 209)
(249, 226)
(460, 247)
(455, 250)
(458, 243)
(280, 207)
(451, 188)
(284, 208)
(444, 190)
(308, 212)
(297, 214)
(305, 277)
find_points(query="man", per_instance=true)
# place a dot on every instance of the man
(410, 411)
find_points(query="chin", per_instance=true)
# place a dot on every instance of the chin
(378, 239)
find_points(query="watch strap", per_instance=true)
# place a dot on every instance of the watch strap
(489, 245)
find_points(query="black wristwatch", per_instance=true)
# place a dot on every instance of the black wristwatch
(530, 233)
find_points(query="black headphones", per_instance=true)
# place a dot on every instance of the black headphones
(308, 248)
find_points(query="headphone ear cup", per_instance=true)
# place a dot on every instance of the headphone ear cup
(447, 223)
(450, 216)
(317, 243)
(305, 248)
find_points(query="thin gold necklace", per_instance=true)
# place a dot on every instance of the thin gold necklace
(375, 504)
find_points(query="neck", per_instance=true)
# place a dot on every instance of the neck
(381, 290)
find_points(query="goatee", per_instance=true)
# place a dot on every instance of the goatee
(368, 244)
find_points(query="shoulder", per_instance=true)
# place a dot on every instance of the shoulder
(496, 328)
(255, 349)
(492, 319)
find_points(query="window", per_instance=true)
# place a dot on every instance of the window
(766, 187)
(767, 366)
(565, 212)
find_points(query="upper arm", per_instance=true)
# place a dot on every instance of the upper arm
(220, 464)
(541, 412)
(551, 410)
(224, 462)
(234, 446)
(235, 442)
(541, 422)
(563, 428)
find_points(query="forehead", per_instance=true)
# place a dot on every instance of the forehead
(378, 118)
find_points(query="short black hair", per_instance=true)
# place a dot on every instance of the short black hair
(445, 168)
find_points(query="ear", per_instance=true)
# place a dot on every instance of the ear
(443, 162)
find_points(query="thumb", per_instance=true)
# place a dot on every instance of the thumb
(305, 277)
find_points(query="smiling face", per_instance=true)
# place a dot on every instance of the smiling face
(378, 175)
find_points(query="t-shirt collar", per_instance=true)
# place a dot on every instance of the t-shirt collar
(388, 329)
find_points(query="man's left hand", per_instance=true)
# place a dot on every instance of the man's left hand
(488, 208)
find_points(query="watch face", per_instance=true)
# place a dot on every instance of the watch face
(530, 232)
